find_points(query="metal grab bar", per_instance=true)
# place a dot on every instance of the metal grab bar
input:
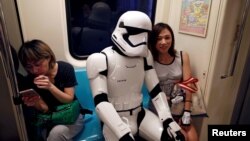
(237, 44)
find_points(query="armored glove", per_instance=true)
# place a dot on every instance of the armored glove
(126, 137)
(186, 118)
(173, 131)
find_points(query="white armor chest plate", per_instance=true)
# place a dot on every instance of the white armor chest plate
(125, 79)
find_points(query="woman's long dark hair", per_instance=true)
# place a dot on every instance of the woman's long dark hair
(153, 39)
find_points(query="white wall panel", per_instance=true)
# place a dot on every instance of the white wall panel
(46, 20)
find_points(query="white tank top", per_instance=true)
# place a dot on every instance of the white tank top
(169, 74)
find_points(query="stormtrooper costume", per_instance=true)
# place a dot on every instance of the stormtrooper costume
(117, 75)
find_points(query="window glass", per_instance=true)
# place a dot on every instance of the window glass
(91, 22)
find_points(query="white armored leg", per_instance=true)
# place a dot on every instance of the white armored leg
(151, 127)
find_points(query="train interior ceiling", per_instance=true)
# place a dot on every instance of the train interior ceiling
(219, 55)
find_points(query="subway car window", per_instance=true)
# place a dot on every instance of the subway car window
(91, 22)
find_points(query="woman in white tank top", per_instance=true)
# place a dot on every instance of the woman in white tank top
(172, 67)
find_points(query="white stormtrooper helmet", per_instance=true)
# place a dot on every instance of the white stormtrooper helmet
(131, 33)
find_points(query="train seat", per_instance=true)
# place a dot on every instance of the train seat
(92, 130)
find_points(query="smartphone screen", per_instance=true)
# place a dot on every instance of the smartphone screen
(29, 93)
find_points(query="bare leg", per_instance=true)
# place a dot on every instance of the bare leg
(190, 132)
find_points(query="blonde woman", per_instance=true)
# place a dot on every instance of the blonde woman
(54, 81)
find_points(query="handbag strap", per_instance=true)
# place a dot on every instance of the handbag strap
(84, 111)
(185, 83)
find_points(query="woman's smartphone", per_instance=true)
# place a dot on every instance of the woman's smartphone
(29, 93)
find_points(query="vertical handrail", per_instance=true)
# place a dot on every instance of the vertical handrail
(238, 41)
(6, 53)
(8, 66)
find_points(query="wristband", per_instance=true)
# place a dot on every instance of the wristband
(190, 101)
(187, 111)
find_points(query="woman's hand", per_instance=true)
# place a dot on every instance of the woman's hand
(36, 102)
(30, 100)
(43, 82)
